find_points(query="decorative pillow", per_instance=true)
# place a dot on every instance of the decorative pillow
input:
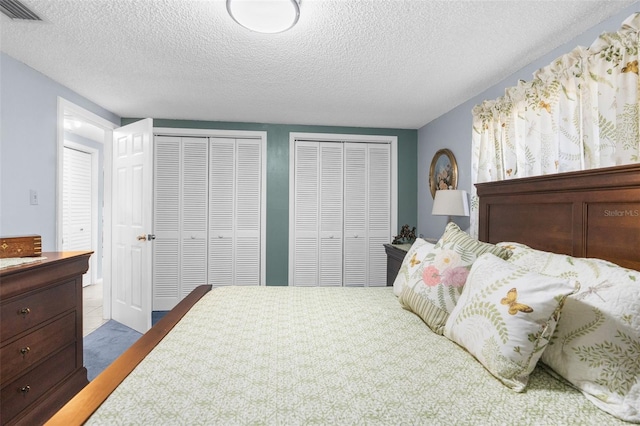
(411, 262)
(596, 346)
(434, 287)
(505, 317)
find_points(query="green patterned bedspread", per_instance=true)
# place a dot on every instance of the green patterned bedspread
(338, 356)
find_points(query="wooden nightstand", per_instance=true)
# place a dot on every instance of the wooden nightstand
(395, 256)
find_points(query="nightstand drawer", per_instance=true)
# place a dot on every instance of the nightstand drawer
(20, 315)
(17, 357)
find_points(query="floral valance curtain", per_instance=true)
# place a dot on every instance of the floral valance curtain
(580, 112)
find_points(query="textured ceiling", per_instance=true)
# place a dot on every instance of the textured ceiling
(367, 63)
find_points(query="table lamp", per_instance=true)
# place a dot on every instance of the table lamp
(450, 202)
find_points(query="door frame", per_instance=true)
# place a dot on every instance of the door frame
(93, 261)
(66, 106)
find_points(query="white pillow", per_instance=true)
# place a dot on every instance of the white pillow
(505, 317)
(435, 286)
(411, 263)
(596, 346)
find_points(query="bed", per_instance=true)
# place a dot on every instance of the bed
(290, 355)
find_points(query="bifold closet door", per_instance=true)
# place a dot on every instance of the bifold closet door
(180, 218)
(331, 214)
(318, 200)
(235, 181)
(342, 213)
(367, 213)
(378, 212)
(306, 206)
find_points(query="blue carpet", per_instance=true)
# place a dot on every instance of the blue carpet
(106, 344)
(157, 316)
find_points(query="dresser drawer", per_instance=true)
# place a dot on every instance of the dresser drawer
(26, 389)
(18, 356)
(26, 312)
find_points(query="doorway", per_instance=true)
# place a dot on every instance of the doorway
(80, 203)
(83, 135)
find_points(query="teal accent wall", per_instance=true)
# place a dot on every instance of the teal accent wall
(278, 178)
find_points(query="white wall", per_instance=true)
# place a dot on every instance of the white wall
(453, 129)
(28, 149)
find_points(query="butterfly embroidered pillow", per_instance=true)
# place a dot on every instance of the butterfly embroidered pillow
(412, 260)
(505, 317)
(434, 286)
(596, 345)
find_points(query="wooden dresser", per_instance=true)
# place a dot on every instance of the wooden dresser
(41, 364)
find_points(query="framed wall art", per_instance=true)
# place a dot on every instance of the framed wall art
(443, 173)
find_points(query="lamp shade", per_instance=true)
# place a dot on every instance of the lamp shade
(265, 16)
(450, 202)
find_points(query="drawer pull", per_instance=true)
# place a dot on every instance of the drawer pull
(25, 389)
(24, 311)
(25, 350)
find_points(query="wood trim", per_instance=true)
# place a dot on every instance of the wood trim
(83, 405)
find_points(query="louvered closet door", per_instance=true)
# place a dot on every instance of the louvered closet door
(195, 187)
(221, 211)
(379, 211)
(355, 215)
(367, 213)
(235, 199)
(306, 203)
(180, 218)
(318, 216)
(166, 210)
(331, 214)
(248, 215)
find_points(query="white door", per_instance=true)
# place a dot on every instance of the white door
(247, 220)
(304, 259)
(180, 218)
(367, 213)
(235, 213)
(378, 212)
(355, 215)
(77, 204)
(193, 214)
(222, 182)
(131, 259)
(331, 217)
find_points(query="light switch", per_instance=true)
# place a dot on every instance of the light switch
(33, 197)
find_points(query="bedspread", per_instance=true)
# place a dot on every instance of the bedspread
(290, 356)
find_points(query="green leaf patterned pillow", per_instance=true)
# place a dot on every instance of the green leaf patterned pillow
(412, 260)
(596, 345)
(433, 288)
(505, 317)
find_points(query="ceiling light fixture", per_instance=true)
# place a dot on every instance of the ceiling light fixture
(265, 16)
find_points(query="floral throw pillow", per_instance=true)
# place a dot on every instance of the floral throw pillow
(596, 345)
(411, 263)
(434, 286)
(505, 317)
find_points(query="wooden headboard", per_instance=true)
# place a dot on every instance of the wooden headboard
(592, 213)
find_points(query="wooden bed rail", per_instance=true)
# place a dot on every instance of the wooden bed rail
(83, 405)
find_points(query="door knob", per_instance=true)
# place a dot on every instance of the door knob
(142, 237)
